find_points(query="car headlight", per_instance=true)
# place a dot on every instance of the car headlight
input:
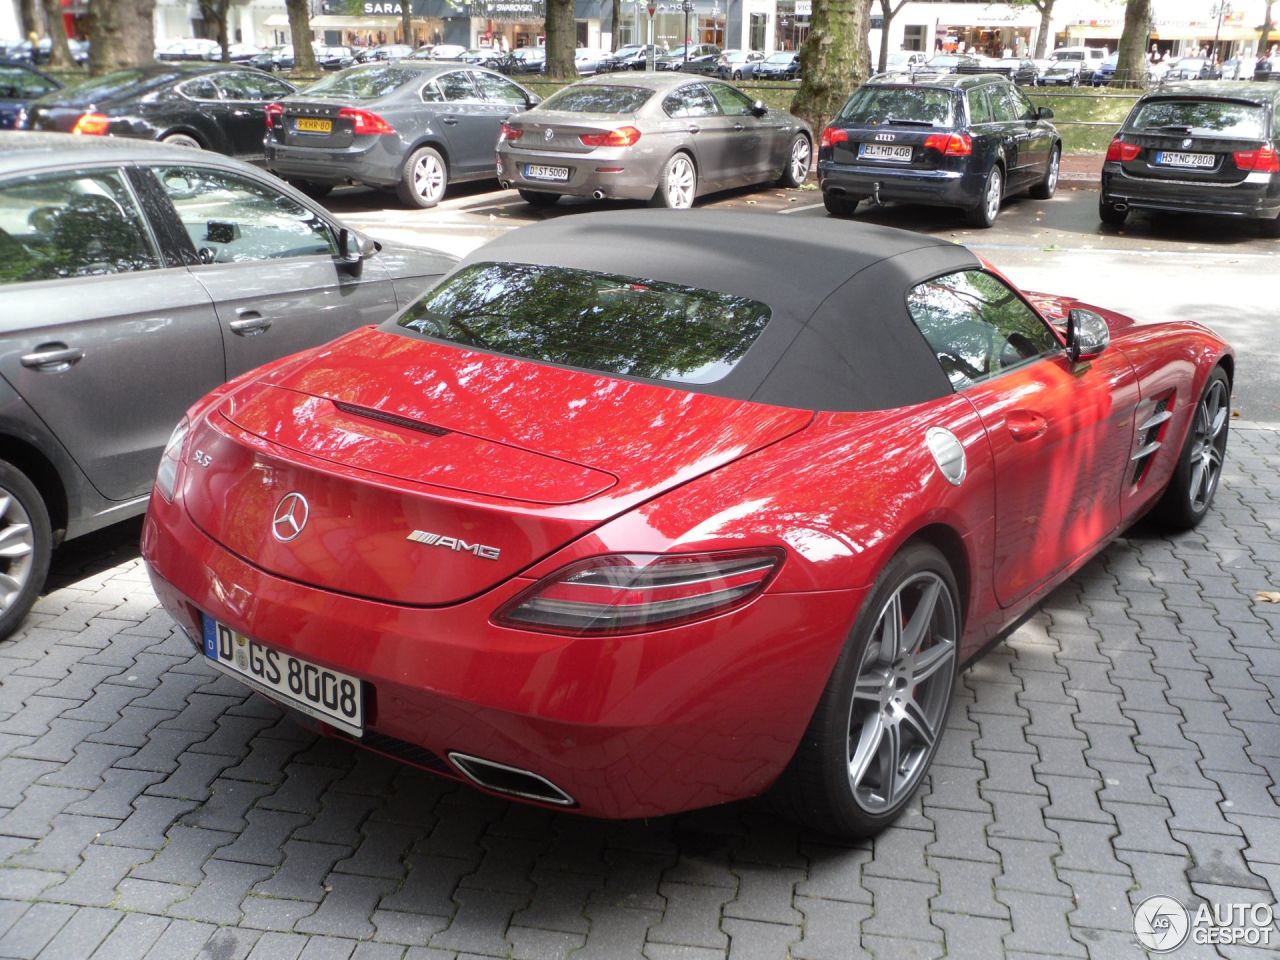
(171, 460)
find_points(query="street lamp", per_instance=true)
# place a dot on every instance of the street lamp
(687, 6)
(1223, 8)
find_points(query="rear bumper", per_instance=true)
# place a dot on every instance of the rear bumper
(628, 727)
(376, 164)
(625, 176)
(947, 188)
(1256, 197)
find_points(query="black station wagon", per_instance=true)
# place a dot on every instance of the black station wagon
(953, 141)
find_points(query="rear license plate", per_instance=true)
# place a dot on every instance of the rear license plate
(534, 171)
(319, 692)
(312, 125)
(881, 151)
(1166, 158)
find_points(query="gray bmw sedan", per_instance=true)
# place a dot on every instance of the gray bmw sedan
(408, 125)
(666, 138)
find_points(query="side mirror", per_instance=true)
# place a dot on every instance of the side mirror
(1045, 113)
(532, 100)
(354, 249)
(759, 108)
(1087, 335)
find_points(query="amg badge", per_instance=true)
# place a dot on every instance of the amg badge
(455, 543)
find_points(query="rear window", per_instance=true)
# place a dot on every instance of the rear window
(876, 104)
(1207, 117)
(364, 83)
(593, 321)
(123, 83)
(598, 99)
(783, 57)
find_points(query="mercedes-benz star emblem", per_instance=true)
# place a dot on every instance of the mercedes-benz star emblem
(549, 136)
(290, 517)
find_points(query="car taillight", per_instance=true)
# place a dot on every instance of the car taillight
(275, 115)
(950, 144)
(365, 121)
(833, 135)
(627, 593)
(1262, 160)
(1124, 152)
(622, 137)
(171, 460)
(508, 132)
(92, 125)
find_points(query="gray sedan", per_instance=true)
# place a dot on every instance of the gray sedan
(411, 126)
(665, 138)
(134, 278)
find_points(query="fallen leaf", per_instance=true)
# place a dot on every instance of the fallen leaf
(1269, 596)
(1235, 413)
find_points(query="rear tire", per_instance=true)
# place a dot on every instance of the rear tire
(1269, 228)
(839, 205)
(1045, 189)
(182, 140)
(316, 191)
(988, 208)
(26, 543)
(881, 716)
(536, 198)
(1189, 496)
(1109, 215)
(799, 158)
(423, 179)
(678, 185)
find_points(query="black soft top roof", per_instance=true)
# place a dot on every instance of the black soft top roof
(840, 337)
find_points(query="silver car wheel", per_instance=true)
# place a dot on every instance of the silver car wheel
(1054, 163)
(902, 691)
(17, 549)
(682, 182)
(1208, 445)
(800, 153)
(182, 140)
(995, 190)
(428, 178)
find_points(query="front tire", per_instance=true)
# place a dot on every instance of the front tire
(799, 157)
(26, 543)
(678, 184)
(423, 179)
(988, 208)
(1045, 189)
(1195, 479)
(182, 140)
(881, 716)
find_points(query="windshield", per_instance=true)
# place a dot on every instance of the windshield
(627, 51)
(590, 98)
(1214, 117)
(528, 53)
(872, 104)
(593, 321)
(115, 86)
(780, 57)
(364, 83)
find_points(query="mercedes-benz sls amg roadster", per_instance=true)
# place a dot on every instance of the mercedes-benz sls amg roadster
(634, 513)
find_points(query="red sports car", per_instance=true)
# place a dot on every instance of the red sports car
(635, 513)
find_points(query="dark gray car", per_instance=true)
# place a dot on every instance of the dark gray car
(135, 278)
(411, 126)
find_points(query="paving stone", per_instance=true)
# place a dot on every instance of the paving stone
(835, 873)
(82, 935)
(217, 899)
(327, 948)
(268, 913)
(765, 893)
(972, 937)
(753, 940)
(306, 864)
(692, 916)
(132, 938)
(429, 886)
(410, 929)
(1143, 827)
(528, 943)
(480, 924)
(617, 933)
(278, 946)
(94, 882)
(33, 816)
(559, 901)
(831, 929)
(185, 851)
(1040, 924)
(10, 911)
(264, 839)
(1219, 859)
(347, 906)
(88, 768)
(61, 849)
(148, 823)
(148, 896)
(34, 930)
(381, 850)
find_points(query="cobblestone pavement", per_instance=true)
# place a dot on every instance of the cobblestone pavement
(1124, 743)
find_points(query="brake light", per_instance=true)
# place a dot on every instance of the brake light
(508, 132)
(1124, 152)
(274, 113)
(92, 125)
(364, 122)
(950, 144)
(628, 593)
(833, 135)
(1262, 160)
(621, 137)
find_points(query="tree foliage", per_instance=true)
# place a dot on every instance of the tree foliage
(562, 39)
(833, 59)
(123, 34)
(1045, 32)
(1131, 64)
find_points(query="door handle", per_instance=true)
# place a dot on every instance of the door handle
(694, 128)
(450, 121)
(738, 126)
(249, 323)
(1026, 425)
(52, 357)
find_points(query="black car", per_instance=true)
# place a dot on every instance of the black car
(635, 56)
(1267, 68)
(388, 51)
(214, 107)
(784, 65)
(1193, 68)
(1203, 147)
(681, 57)
(956, 141)
(20, 83)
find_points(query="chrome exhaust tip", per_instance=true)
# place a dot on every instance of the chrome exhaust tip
(511, 781)
(597, 195)
(1121, 207)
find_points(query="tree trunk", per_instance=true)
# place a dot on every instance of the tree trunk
(1131, 65)
(833, 59)
(406, 22)
(215, 12)
(123, 34)
(59, 53)
(616, 14)
(304, 58)
(1266, 31)
(886, 13)
(562, 37)
(1046, 28)
(29, 20)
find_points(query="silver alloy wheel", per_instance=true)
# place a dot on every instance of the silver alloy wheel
(681, 182)
(1208, 445)
(17, 549)
(995, 185)
(902, 691)
(800, 153)
(1055, 161)
(182, 140)
(428, 178)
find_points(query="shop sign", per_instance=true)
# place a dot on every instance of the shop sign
(509, 9)
(383, 9)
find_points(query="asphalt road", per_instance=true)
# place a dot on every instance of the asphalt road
(1216, 271)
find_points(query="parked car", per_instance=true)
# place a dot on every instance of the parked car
(410, 126)
(1267, 68)
(676, 59)
(582, 141)
(590, 61)
(1089, 59)
(527, 60)
(267, 60)
(1106, 70)
(784, 65)
(569, 518)
(20, 83)
(1236, 68)
(905, 61)
(738, 64)
(212, 107)
(1063, 73)
(448, 51)
(135, 277)
(1193, 68)
(41, 51)
(1208, 147)
(188, 49)
(635, 56)
(386, 51)
(241, 53)
(334, 58)
(962, 141)
(945, 63)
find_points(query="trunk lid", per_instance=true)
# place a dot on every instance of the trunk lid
(315, 123)
(432, 473)
(560, 132)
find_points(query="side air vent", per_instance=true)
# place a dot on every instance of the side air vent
(1148, 438)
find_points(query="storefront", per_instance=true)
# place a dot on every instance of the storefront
(1236, 35)
(793, 24)
(705, 21)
